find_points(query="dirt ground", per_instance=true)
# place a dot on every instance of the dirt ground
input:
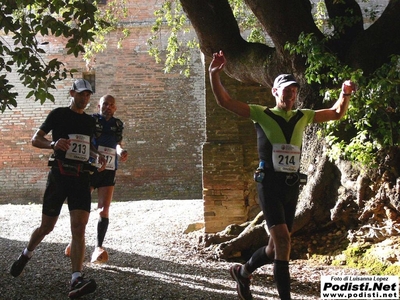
(150, 257)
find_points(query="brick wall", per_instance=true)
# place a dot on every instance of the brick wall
(181, 144)
(163, 116)
(230, 158)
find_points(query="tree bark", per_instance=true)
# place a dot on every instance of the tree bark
(284, 21)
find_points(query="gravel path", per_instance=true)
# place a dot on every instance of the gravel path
(150, 257)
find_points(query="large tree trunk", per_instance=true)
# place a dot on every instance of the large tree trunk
(336, 187)
(360, 207)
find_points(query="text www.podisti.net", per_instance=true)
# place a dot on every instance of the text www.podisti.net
(359, 287)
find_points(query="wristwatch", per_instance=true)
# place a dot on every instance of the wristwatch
(52, 144)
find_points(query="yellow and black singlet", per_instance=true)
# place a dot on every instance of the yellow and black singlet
(280, 135)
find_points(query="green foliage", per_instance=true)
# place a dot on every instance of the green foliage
(27, 23)
(177, 50)
(172, 22)
(109, 16)
(320, 15)
(247, 21)
(373, 118)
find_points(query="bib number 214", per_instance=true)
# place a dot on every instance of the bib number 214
(286, 158)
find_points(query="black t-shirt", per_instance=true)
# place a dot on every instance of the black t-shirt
(63, 121)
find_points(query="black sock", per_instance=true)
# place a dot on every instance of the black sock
(282, 278)
(258, 259)
(102, 226)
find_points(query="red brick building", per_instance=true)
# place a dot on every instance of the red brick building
(181, 144)
(163, 116)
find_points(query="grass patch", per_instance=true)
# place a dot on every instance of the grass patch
(362, 257)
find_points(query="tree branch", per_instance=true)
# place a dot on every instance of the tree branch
(377, 43)
(284, 20)
(217, 29)
(347, 31)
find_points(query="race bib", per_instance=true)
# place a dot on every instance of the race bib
(110, 155)
(79, 148)
(286, 158)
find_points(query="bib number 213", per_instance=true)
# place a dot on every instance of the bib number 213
(80, 147)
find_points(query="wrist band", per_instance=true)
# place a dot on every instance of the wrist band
(346, 94)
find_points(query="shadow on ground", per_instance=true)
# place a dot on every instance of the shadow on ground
(47, 275)
(134, 271)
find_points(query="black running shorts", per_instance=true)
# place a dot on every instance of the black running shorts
(278, 198)
(75, 189)
(104, 178)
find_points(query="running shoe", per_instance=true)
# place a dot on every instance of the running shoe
(242, 283)
(81, 287)
(19, 265)
(99, 256)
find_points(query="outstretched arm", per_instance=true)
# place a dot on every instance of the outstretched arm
(338, 110)
(221, 95)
